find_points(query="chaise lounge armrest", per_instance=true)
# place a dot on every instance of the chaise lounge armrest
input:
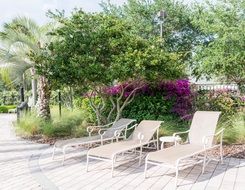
(206, 138)
(90, 129)
(118, 132)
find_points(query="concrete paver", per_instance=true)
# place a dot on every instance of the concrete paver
(28, 165)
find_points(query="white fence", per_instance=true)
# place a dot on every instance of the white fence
(215, 86)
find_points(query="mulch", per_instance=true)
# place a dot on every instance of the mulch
(234, 150)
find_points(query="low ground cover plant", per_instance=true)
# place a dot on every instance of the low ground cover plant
(71, 123)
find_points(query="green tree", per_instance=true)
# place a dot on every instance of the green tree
(94, 51)
(179, 34)
(222, 54)
(19, 38)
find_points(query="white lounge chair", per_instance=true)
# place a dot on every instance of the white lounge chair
(200, 140)
(105, 133)
(142, 136)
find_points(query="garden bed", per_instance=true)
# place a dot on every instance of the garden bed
(233, 150)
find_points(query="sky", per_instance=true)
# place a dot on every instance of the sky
(36, 9)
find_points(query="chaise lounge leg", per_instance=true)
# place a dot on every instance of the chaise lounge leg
(64, 154)
(87, 163)
(112, 166)
(176, 177)
(204, 162)
(140, 155)
(157, 139)
(145, 172)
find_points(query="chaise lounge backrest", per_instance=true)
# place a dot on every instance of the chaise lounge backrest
(145, 129)
(203, 124)
(118, 125)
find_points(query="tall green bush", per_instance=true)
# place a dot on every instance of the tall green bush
(148, 107)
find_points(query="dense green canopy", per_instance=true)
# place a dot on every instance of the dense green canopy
(99, 49)
(179, 34)
(222, 54)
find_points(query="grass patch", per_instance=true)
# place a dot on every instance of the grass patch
(234, 128)
(70, 124)
(173, 124)
(29, 125)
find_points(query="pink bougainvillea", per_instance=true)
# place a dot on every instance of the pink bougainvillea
(178, 91)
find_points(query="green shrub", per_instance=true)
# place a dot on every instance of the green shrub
(234, 128)
(29, 125)
(172, 124)
(3, 109)
(9, 97)
(156, 108)
(83, 104)
(66, 125)
(226, 101)
(71, 123)
(231, 106)
(10, 107)
(148, 107)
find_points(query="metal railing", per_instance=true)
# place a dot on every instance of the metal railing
(215, 86)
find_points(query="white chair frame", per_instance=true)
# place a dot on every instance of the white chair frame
(182, 165)
(113, 158)
(101, 132)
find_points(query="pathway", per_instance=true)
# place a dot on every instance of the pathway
(26, 165)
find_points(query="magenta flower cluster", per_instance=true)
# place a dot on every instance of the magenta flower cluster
(180, 92)
(113, 90)
(177, 91)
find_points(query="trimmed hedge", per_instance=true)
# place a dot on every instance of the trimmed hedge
(5, 109)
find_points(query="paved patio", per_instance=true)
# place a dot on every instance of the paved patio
(27, 165)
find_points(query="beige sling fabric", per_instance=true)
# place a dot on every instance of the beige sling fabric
(121, 124)
(145, 129)
(203, 124)
(170, 155)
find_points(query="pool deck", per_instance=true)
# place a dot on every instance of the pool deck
(28, 165)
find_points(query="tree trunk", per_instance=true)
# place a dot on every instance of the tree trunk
(34, 91)
(34, 86)
(44, 93)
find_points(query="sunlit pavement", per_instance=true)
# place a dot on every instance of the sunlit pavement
(27, 165)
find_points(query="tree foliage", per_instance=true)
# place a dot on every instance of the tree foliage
(19, 38)
(179, 34)
(93, 51)
(98, 49)
(222, 55)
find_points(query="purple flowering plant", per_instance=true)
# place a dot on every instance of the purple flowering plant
(178, 91)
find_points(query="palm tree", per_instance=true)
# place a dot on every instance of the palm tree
(13, 67)
(19, 38)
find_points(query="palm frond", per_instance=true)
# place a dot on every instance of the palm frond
(18, 39)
